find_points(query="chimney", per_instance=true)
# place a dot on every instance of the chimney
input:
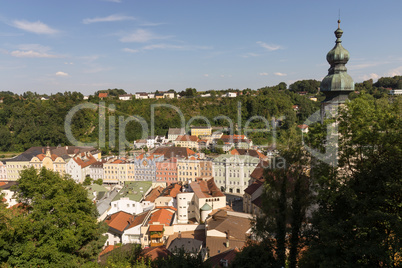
(227, 238)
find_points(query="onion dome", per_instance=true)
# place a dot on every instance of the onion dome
(337, 79)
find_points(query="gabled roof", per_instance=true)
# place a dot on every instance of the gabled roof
(139, 219)
(253, 187)
(253, 153)
(189, 245)
(172, 190)
(228, 255)
(155, 193)
(163, 216)
(87, 162)
(303, 126)
(235, 227)
(156, 252)
(170, 152)
(206, 189)
(258, 172)
(119, 221)
(257, 202)
(102, 95)
(187, 138)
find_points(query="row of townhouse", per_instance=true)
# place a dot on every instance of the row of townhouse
(72, 160)
(215, 140)
(164, 164)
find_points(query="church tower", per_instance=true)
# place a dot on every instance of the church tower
(337, 84)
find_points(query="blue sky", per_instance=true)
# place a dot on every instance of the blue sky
(88, 45)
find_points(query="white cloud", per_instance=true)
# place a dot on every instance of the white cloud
(111, 18)
(62, 74)
(371, 76)
(280, 74)
(165, 46)
(141, 36)
(32, 54)
(396, 71)
(206, 75)
(34, 27)
(151, 24)
(162, 46)
(269, 47)
(263, 74)
(69, 63)
(33, 51)
(222, 75)
(130, 50)
(250, 54)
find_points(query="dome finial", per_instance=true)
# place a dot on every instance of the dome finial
(338, 33)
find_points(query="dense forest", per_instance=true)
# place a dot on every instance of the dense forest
(26, 120)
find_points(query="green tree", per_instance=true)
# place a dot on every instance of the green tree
(358, 222)
(57, 226)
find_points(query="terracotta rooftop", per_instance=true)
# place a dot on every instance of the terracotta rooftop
(187, 138)
(172, 190)
(156, 228)
(162, 216)
(253, 153)
(303, 126)
(170, 152)
(156, 252)
(235, 226)
(108, 249)
(102, 95)
(257, 202)
(84, 163)
(254, 187)
(139, 219)
(228, 255)
(119, 221)
(155, 193)
(206, 189)
(258, 172)
(217, 245)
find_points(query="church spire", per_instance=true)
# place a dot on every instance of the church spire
(337, 84)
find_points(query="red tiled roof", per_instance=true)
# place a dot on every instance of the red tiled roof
(205, 189)
(253, 187)
(258, 172)
(257, 202)
(102, 95)
(172, 190)
(170, 152)
(163, 216)
(119, 220)
(156, 252)
(155, 228)
(155, 193)
(84, 163)
(168, 207)
(3, 183)
(303, 126)
(108, 249)
(139, 219)
(253, 153)
(187, 138)
(227, 255)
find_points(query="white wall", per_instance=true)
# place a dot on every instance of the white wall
(126, 205)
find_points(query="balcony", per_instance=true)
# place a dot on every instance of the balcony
(156, 235)
(154, 244)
